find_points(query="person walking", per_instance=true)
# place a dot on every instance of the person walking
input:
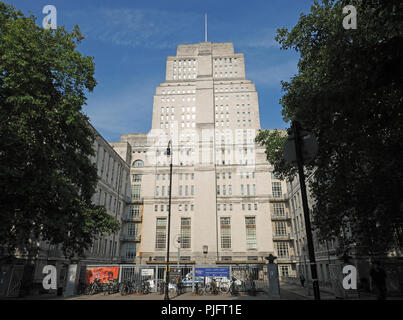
(378, 276)
(302, 279)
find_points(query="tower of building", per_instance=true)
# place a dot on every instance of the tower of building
(222, 189)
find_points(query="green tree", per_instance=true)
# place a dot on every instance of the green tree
(46, 175)
(348, 92)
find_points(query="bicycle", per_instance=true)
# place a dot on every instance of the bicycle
(211, 288)
(233, 289)
(112, 287)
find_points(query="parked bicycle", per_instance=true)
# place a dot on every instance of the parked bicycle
(95, 287)
(211, 288)
(127, 287)
(111, 287)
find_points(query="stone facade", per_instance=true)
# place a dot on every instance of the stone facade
(222, 187)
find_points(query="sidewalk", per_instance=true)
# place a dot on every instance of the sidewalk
(301, 292)
(287, 290)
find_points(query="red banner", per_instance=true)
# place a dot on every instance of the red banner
(104, 274)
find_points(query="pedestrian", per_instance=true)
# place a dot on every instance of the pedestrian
(378, 277)
(302, 279)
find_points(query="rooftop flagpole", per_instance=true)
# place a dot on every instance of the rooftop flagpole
(205, 27)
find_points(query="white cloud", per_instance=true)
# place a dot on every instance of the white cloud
(135, 27)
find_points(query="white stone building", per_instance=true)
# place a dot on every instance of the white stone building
(223, 193)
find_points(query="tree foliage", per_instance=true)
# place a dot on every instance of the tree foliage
(348, 92)
(46, 175)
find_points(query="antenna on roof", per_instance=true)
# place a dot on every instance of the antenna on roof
(205, 27)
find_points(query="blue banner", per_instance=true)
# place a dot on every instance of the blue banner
(212, 272)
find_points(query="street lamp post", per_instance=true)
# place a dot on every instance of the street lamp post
(205, 251)
(300, 164)
(169, 154)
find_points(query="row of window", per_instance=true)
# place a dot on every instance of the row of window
(183, 117)
(183, 109)
(243, 97)
(178, 91)
(245, 190)
(221, 108)
(104, 247)
(225, 228)
(183, 125)
(183, 99)
(230, 89)
(185, 233)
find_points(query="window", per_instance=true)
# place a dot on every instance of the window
(226, 258)
(138, 163)
(279, 209)
(134, 211)
(276, 189)
(156, 207)
(192, 190)
(225, 223)
(136, 177)
(185, 233)
(160, 238)
(130, 251)
(285, 271)
(218, 190)
(157, 191)
(132, 229)
(252, 258)
(136, 192)
(282, 249)
(230, 190)
(280, 228)
(180, 190)
(250, 232)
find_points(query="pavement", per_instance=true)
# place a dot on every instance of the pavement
(287, 292)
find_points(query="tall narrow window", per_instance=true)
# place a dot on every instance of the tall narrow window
(282, 249)
(225, 223)
(250, 232)
(276, 189)
(185, 233)
(136, 192)
(160, 238)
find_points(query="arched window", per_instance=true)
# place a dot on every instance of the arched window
(138, 163)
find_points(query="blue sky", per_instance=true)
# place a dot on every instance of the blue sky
(130, 41)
